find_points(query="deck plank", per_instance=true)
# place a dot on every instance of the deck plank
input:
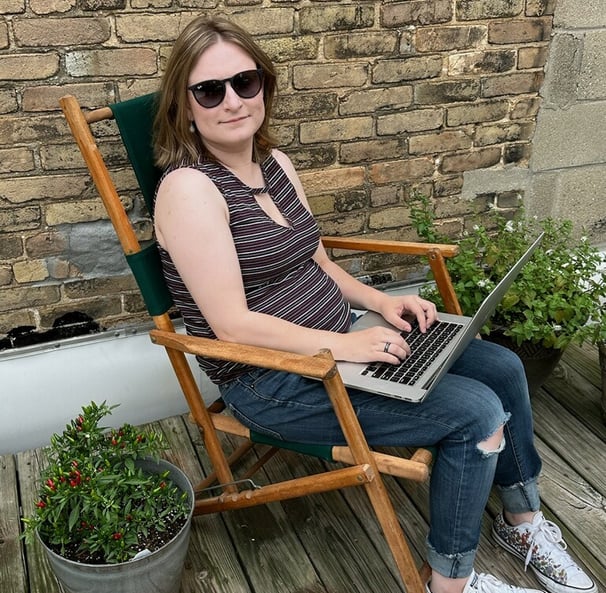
(571, 440)
(268, 547)
(40, 577)
(12, 568)
(211, 565)
(577, 508)
(336, 542)
(576, 385)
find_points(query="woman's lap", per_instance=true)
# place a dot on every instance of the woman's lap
(297, 409)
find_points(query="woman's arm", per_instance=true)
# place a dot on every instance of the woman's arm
(192, 224)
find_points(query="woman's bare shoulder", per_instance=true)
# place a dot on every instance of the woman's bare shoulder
(183, 176)
(282, 160)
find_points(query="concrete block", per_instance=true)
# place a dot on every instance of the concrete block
(592, 77)
(542, 194)
(581, 197)
(563, 65)
(571, 137)
(572, 14)
(495, 180)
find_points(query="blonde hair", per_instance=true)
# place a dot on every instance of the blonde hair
(174, 143)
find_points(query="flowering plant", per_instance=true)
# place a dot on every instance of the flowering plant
(555, 294)
(96, 504)
(595, 330)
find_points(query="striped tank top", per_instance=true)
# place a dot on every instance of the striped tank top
(280, 277)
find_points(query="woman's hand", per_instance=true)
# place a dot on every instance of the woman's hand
(395, 308)
(386, 344)
(374, 344)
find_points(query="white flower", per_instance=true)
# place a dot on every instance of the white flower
(510, 226)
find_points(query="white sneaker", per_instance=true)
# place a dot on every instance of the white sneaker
(540, 545)
(486, 583)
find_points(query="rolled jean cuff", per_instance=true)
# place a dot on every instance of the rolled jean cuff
(521, 497)
(453, 566)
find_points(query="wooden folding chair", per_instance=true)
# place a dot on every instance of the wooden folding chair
(362, 467)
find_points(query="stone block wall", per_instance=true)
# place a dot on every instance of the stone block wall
(377, 99)
(568, 163)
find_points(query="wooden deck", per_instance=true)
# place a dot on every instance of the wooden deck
(329, 543)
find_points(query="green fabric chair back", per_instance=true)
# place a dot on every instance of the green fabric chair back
(135, 119)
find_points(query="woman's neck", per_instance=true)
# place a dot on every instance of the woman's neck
(243, 167)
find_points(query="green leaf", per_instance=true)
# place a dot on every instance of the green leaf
(74, 517)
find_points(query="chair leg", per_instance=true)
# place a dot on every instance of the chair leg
(231, 460)
(425, 572)
(394, 536)
(375, 488)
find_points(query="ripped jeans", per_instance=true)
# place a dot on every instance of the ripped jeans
(485, 389)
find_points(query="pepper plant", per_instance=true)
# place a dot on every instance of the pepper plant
(96, 505)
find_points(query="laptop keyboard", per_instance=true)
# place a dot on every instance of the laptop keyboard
(424, 348)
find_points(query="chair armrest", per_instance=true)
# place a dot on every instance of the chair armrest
(435, 252)
(403, 247)
(317, 366)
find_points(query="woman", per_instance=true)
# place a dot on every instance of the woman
(242, 256)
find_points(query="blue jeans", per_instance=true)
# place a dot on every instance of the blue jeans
(485, 389)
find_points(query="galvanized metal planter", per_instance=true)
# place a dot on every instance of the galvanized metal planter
(158, 572)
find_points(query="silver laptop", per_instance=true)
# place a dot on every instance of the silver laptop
(432, 353)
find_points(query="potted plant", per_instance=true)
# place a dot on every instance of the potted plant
(111, 514)
(595, 333)
(549, 303)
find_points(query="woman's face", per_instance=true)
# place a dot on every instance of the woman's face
(230, 125)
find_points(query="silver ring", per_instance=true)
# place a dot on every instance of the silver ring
(387, 345)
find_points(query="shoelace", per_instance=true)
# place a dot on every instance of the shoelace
(486, 583)
(548, 532)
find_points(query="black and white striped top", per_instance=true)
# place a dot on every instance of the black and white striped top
(280, 277)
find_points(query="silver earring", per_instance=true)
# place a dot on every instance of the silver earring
(192, 127)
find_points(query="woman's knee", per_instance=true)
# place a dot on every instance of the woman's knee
(493, 444)
(488, 418)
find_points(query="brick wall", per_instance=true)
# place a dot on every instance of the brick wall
(378, 99)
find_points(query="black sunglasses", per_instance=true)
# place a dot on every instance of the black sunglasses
(211, 93)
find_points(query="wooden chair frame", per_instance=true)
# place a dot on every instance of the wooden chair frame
(363, 467)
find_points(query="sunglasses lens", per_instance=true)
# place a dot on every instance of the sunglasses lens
(209, 94)
(247, 84)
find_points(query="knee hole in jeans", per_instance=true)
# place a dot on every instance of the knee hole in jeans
(494, 444)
